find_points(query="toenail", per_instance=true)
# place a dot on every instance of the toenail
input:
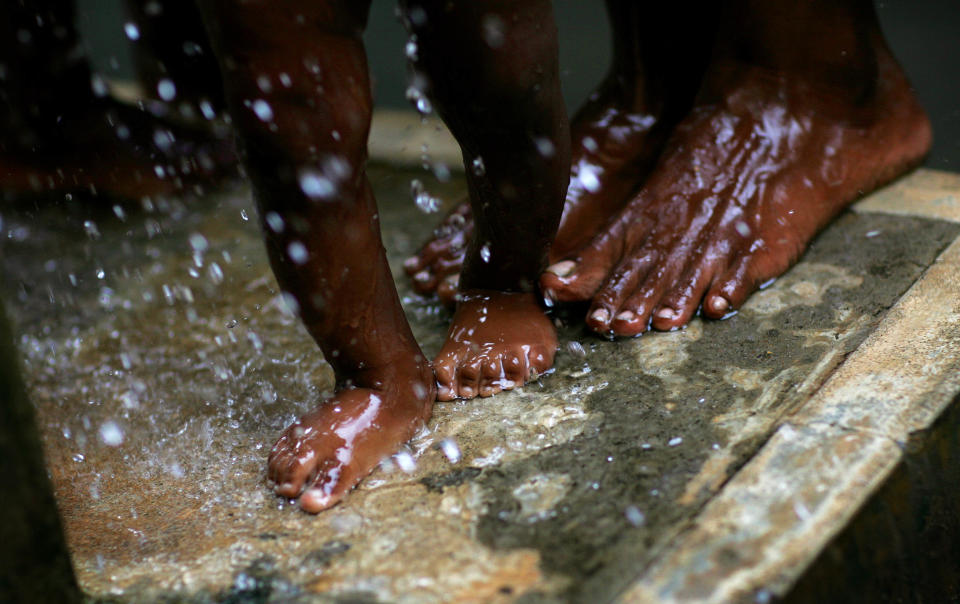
(422, 276)
(453, 280)
(411, 262)
(626, 315)
(667, 313)
(563, 268)
(719, 305)
(601, 315)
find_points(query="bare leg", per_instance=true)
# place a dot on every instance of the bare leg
(492, 68)
(304, 138)
(803, 110)
(61, 131)
(616, 136)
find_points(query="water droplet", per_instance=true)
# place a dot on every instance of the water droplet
(479, 168)
(297, 252)
(742, 228)
(545, 147)
(485, 252)
(216, 273)
(243, 215)
(166, 89)
(424, 200)
(78, 457)
(406, 462)
(676, 440)
(198, 242)
(91, 229)
(588, 178)
(634, 515)
(110, 434)
(275, 222)
(493, 31)
(315, 185)
(207, 110)
(99, 85)
(263, 111)
(590, 144)
(132, 31)
(451, 450)
(411, 48)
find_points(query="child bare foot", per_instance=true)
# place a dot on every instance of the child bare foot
(768, 156)
(500, 335)
(325, 453)
(497, 341)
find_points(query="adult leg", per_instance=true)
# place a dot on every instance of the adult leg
(492, 72)
(304, 146)
(803, 109)
(60, 130)
(616, 135)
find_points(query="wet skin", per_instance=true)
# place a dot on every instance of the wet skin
(303, 138)
(61, 133)
(616, 136)
(500, 97)
(782, 137)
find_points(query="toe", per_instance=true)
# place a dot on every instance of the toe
(609, 301)
(679, 305)
(731, 289)
(491, 376)
(516, 368)
(332, 482)
(579, 279)
(468, 378)
(448, 288)
(445, 369)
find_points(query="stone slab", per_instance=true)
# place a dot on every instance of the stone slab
(163, 365)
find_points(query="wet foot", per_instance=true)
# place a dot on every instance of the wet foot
(117, 150)
(743, 185)
(324, 454)
(497, 341)
(613, 149)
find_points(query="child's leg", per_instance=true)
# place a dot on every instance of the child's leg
(492, 71)
(298, 90)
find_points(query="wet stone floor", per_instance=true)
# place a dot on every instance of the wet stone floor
(164, 363)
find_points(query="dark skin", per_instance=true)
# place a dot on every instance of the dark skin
(304, 141)
(803, 110)
(799, 111)
(60, 131)
(616, 135)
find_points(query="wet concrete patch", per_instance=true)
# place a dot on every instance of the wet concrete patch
(164, 364)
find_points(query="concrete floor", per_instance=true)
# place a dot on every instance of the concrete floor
(708, 463)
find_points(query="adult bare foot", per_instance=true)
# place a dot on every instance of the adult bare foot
(324, 454)
(765, 160)
(497, 341)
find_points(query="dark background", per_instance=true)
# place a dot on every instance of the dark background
(924, 34)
